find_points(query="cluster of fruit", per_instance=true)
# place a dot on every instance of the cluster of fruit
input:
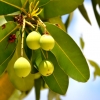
(34, 41)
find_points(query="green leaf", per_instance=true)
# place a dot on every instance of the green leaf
(68, 54)
(82, 42)
(60, 7)
(68, 20)
(96, 67)
(57, 20)
(10, 17)
(28, 51)
(41, 2)
(2, 20)
(6, 49)
(84, 13)
(37, 88)
(58, 81)
(94, 3)
(6, 8)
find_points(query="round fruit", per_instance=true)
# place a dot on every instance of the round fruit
(46, 68)
(32, 40)
(22, 84)
(22, 67)
(47, 42)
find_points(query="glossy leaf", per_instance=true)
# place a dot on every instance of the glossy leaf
(60, 7)
(94, 3)
(6, 8)
(58, 81)
(84, 13)
(68, 54)
(6, 49)
(96, 67)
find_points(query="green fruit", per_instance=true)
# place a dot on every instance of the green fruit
(22, 67)
(22, 84)
(47, 42)
(46, 68)
(32, 40)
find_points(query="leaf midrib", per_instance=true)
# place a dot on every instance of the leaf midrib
(71, 61)
(7, 58)
(58, 83)
(10, 33)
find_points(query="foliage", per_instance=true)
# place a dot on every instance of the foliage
(20, 17)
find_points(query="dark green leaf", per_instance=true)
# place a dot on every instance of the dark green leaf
(94, 3)
(60, 7)
(98, 1)
(84, 13)
(37, 88)
(7, 8)
(58, 81)
(36, 59)
(68, 54)
(6, 49)
(28, 51)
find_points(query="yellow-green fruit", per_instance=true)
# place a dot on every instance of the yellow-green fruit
(22, 84)
(47, 42)
(46, 68)
(32, 40)
(22, 67)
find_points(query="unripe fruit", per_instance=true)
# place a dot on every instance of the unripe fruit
(22, 67)
(47, 42)
(32, 40)
(46, 68)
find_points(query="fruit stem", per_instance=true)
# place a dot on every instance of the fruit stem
(29, 24)
(22, 42)
(25, 3)
(42, 24)
(43, 53)
(46, 54)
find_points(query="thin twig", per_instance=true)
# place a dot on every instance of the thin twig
(43, 53)
(29, 24)
(25, 3)
(42, 24)
(22, 41)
